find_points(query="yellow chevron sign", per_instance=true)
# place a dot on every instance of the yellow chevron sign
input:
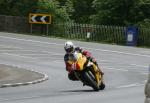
(39, 18)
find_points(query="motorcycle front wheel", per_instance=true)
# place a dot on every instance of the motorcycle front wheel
(89, 78)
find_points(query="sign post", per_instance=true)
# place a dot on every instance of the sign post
(40, 19)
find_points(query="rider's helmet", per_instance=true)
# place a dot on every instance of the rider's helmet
(69, 47)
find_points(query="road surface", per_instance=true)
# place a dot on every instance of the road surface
(125, 68)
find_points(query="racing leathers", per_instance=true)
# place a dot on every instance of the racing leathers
(70, 57)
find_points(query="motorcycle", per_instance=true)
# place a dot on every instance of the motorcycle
(87, 72)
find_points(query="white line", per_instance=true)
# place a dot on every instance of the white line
(88, 48)
(48, 53)
(6, 46)
(29, 40)
(36, 54)
(115, 69)
(13, 50)
(139, 65)
(131, 85)
(27, 57)
(19, 56)
(144, 73)
(58, 61)
(126, 53)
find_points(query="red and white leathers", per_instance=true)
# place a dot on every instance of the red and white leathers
(68, 57)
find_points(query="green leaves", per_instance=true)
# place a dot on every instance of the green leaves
(17, 7)
(24, 7)
(83, 11)
(108, 12)
(120, 12)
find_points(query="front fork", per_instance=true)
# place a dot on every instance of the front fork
(97, 74)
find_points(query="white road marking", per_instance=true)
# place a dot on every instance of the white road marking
(139, 65)
(115, 69)
(126, 53)
(58, 61)
(48, 53)
(27, 57)
(145, 73)
(30, 40)
(118, 52)
(18, 55)
(13, 47)
(131, 85)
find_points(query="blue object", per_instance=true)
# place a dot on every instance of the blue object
(131, 36)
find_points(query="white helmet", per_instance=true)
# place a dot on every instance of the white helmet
(69, 47)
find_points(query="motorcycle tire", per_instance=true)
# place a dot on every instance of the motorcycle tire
(90, 79)
(102, 86)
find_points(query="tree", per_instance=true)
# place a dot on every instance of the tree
(119, 12)
(24, 7)
(52, 7)
(69, 7)
(78, 10)
(17, 7)
(62, 2)
(83, 10)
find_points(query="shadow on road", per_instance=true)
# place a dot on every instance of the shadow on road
(75, 91)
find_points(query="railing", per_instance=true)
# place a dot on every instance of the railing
(99, 33)
(70, 30)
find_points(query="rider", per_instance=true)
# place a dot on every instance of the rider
(70, 50)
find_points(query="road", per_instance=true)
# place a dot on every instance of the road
(125, 68)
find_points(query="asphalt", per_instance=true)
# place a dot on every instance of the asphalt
(11, 76)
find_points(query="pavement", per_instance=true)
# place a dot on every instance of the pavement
(11, 76)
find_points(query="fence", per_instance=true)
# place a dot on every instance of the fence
(70, 30)
(100, 33)
(19, 25)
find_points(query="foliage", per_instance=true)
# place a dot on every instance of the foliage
(108, 12)
(144, 24)
(52, 7)
(17, 7)
(24, 7)
(120, 12)
(83, 10)
(69, 7)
